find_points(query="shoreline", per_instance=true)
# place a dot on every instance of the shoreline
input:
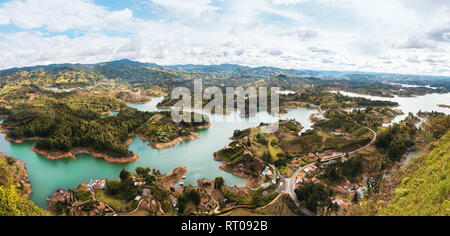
(175, 142)
(171, 144)
(20, 141)
(252, 182)
(87, 151)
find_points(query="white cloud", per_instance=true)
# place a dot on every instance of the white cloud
(194, 8)
(59, 15)
(388, 36)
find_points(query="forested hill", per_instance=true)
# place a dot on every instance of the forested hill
(231, 70)
(132, 72)
(78, 75)
(422, 187)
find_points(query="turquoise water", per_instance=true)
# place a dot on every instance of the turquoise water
(425, 103)
(47, 176)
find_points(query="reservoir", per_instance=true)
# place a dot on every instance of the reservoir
(425, 103)
(47, 176)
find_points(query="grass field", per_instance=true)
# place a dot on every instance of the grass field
(117, 204)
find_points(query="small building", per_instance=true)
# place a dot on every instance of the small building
(139, 184)
(301, 178)
(267, 172)
(146, 192)
(173, 200)
(311, 169)
(265, 185)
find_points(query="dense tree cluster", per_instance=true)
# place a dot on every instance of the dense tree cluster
(347, 170)
(189, 195)
(364, 102)
(396, 140)
(315, 197)
(69, 121)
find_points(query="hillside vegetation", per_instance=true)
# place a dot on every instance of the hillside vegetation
(12, 201)
(425, 185)
(422, 188)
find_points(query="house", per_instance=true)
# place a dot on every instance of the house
(315, 180)
(138, 198)
(311, 155)
(301, 178)
(139, 184)
(173, 200)
(337, 201)
(146, 192)
(329, 152)
(96, 187)
(267, 172)
(228, 147)
(311, 169)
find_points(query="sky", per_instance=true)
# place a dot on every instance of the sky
(396, 36)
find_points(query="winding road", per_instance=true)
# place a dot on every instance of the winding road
(288, 184)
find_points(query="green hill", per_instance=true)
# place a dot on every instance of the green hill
(12, 202)
(422, 188)
(425, 185)
(78, 75)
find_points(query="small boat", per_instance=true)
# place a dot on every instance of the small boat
(184, 177)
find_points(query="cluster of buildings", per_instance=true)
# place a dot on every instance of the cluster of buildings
(329, 157)
(305, 175)
(95, 185)
(340, 202)
(268, 173)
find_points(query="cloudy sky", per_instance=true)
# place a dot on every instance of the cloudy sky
(401, 36)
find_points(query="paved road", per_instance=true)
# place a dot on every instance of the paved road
(287, 185)
(289, 188)
(371, 142)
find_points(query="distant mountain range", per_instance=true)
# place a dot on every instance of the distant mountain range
(137, 72)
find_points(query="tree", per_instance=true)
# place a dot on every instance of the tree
(315, 197)
(355, 199)
(219, 182)
(267, 157)
(124, 175)
(113, 187)
(12, 204)
(142, 171)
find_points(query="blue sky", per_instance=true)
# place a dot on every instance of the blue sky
(400, 36)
